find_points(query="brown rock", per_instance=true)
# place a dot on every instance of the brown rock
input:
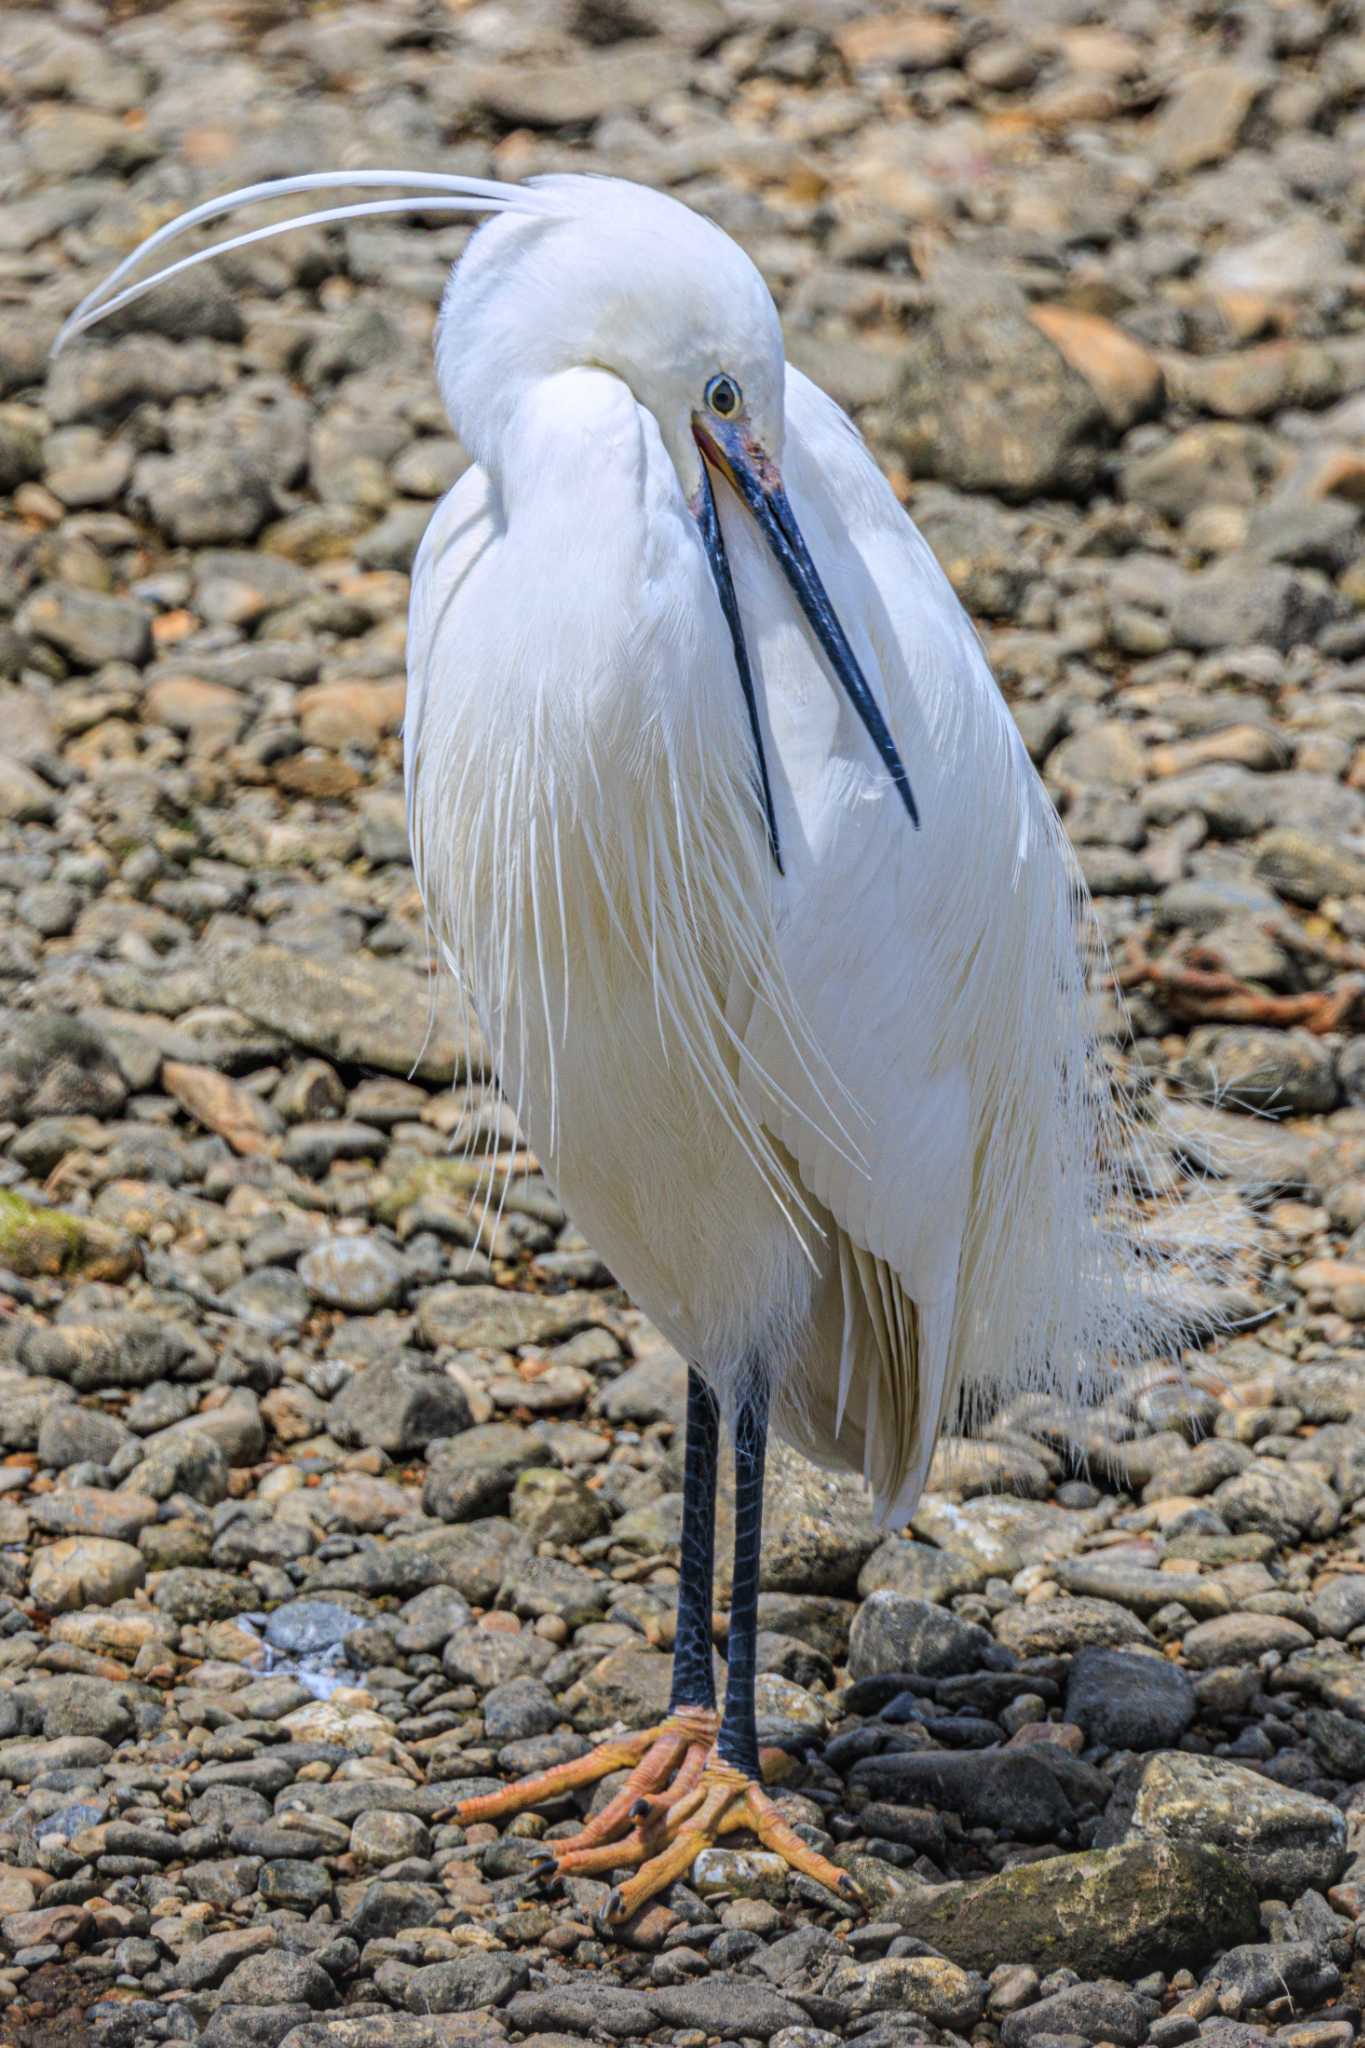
(220, 1105)
(317, 774)
(1124, 376)
(90, 1511)
(204, 711)
(350, 713)
(1204, 119)
(85, 1571)
(57, 1924)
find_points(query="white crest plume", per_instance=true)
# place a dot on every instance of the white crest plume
(428, 192)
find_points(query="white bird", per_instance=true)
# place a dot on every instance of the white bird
(808, 1057)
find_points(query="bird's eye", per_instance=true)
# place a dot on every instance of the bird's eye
(724, 397)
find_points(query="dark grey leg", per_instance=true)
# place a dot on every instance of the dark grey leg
(693, 1681)
(737, 1743)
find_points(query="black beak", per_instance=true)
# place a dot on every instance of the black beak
(729, 446)
(704, 510)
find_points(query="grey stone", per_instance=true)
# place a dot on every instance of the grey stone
(108, 1349)
(495, 1319)
(899, 1565)
(733, 2007)
(77, 1705)
(1257, 1975)
(986, 402)
(279, 1978)
(653, 1389)
(1110, 1912)
(1338, 1606)
(818, 1527)
(473, 1473)
(895, 1633)
(936, 1991)
(76, 1436)
(226, 497)
(357, 1012)
(1050, 1628)
(554, 1507)
(301, 1628)
(472, 1982)
(1277, 1073)
(1286, 1503)
(398, 1408)
(1011, 1790)
(1242, 1638)
(86, 626)
(1305, 866)
(58, 1066)
(487, 1659)
(1095, 2012)
(358, 1274)
(1286, 1841)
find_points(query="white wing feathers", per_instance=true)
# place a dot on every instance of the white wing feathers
(940, 974)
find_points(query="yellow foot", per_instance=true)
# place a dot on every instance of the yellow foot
(665, 1764)
(666, 1841)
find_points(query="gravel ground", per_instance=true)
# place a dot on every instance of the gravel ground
(325, 1499)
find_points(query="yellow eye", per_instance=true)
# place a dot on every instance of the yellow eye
(724, 397)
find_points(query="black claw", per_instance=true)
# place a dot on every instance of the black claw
(614, 1906)
(639, 1809)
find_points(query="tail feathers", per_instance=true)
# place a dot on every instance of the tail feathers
(883, 1411)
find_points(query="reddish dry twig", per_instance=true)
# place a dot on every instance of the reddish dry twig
(1208, 994)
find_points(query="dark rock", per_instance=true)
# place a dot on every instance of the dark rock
(278, 1978)
(1011, 1790)
(58, 1066)
(1123, 1701)
(473, 1473)
(1094, 2012)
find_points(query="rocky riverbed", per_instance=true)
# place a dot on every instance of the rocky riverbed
(325, 1496)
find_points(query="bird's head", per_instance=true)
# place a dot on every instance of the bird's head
(612, 276)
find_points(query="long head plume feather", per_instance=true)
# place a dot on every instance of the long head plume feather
(427, 191)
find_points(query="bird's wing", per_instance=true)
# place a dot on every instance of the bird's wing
(931, 1078)
(459, 531)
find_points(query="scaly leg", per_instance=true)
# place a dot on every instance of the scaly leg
(729, 1792)
(667, 1760)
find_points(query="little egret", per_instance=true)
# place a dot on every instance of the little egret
(729, 838)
